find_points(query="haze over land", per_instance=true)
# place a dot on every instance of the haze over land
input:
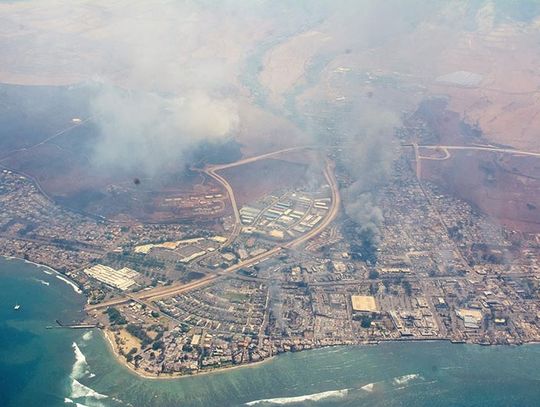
(157, 80)
(229, 180)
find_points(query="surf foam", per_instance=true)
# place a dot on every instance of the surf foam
(79, 390)
(78, 371)
(368, 387)
(300, 399)
(73, 285)
(42, 281)
(401, 380)
(67, 400)
(80, 366)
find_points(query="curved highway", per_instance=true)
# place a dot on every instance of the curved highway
(178, 288)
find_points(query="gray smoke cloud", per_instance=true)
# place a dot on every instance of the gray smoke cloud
(170, 89)
(146, 131)
(368, 158)
(171, 72)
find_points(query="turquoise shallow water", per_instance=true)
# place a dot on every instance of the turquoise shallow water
(40, 367)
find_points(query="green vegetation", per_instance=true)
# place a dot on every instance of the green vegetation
(407, 287)
(115, 317)
(138, 332)
(187, 348)
(373, 274)
(129, 356)
(365, 320)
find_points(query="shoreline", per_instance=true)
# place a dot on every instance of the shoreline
(169, 376)
(54, 272)
(109, 339)
(173, 376)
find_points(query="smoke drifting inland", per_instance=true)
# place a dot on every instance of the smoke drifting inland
(145, 131)
(368, 158)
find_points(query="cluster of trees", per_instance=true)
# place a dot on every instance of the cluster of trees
(365, 320)
(115, 317)
(129, 356)
(373, 274)
(138, 332)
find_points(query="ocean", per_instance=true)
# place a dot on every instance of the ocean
(61, 367)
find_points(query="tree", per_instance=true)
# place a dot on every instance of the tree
(365, 321)
(373, 274)
(386, 284)
(180, 267)
(129, 356)
(138, 332)
(407, 287)
(115, 317)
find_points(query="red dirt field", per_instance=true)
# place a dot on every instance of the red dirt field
(252, 181)
(505, 186)
(446, 126)
(164, 198)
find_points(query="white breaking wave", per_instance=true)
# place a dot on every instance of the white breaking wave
(80, 366)
(87, 336)
(46, 269)
(368, 387)
(405, 379)
(75, 288)
(79, 390)
(42, 281)
(67, 400)
(299, 399)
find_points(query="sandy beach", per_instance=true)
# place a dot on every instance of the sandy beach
(109, 336)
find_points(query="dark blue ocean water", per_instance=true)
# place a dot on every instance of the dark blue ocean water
(56, 367)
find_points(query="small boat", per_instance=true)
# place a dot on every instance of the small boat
(16, 307)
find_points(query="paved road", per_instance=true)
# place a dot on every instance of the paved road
(178, 288)
(483, 148)
(258, 157)
(332, 212)
(50, 138)
(158, 292)
(211, 171)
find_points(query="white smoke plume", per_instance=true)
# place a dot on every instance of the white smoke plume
(145, 131)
